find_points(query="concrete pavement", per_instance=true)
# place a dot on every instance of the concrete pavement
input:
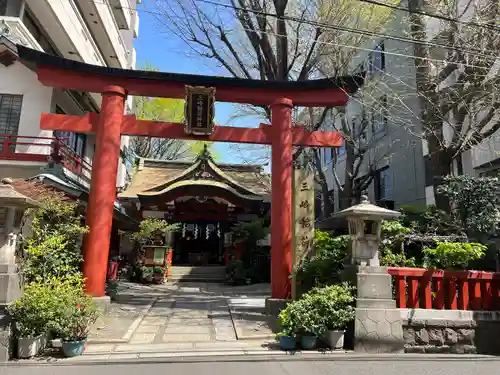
(345, 365)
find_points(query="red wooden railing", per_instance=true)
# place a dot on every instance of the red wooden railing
(49, 148)
(450, 290)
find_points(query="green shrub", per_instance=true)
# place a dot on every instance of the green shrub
(453, 255)
(392, 252)
(38, 310)
(75, 317)
(323, 267)
(320, 310)
(149, 227)
(54, 249)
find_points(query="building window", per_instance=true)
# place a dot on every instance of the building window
(383, 184)
(10, 115)
(75, 141)
(341, 150)
(379, 116)
(377, 59)
(3, 7)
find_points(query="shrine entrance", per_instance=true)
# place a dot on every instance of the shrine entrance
(200, 93)
(205, 198)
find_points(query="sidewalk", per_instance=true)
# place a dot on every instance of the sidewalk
(182, 319)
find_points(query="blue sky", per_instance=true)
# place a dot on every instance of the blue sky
(156, 47)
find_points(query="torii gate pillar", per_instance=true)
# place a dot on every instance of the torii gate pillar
(103, 190)
(281, 204)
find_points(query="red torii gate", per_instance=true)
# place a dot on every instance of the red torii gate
(111, 123)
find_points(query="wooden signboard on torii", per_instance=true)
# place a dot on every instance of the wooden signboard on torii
(111, 123)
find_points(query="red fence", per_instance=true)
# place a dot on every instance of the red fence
(47, 149)
(450, 290)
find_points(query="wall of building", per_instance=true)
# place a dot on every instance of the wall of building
(19, 80)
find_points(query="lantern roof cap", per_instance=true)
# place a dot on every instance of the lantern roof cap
(367, 211)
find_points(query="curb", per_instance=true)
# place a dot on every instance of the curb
(189, 357)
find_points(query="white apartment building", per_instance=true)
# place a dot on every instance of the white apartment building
(386, 115)
(98, 32)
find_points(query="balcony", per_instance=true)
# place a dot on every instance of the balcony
(66, 28)
(101, 20)
(50, 150)
(121, 11)
(14, 29)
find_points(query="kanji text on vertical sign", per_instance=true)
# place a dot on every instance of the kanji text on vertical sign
(303, 214)
(200, 110)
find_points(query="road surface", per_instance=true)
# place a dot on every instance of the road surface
(399, 366)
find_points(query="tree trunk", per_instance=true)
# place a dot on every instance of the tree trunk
(429, 98)
(349, 174)
(325, 193)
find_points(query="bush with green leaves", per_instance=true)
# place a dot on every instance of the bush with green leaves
(320, 310)
(54, 247)
(324, 266)
(75, 311)
(392, 251)
(474, 201)
(39, 309)
(453, 255)
(149, 227)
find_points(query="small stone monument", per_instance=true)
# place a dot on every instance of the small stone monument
(378, 325)
(13, 204)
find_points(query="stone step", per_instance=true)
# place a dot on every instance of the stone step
(197, 274)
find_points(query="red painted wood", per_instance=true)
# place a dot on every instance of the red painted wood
(103, 191)
(463, 294)
(425, 289)
(400, 291)
(440, 293)
(131, 126)
(413, 294)
(281, 209)
(66, 79)
(475, 290)
(487, 295)
(452, 293)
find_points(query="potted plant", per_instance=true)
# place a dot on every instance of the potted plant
(337, 303)
(158, 275)
(74, 322)
(112, 289)
(286, 339)
(31, 314)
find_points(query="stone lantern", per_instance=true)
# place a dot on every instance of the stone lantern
(13, 205)
(365, 220)
(378, 326)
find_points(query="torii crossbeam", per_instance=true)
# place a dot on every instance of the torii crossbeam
(111, 123)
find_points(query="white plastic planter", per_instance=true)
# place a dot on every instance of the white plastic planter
(29, 347)
(335, 339)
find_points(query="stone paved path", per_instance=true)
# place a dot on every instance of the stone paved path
(185, 313)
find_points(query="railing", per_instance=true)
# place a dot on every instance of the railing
(449, 290)
(43, 149)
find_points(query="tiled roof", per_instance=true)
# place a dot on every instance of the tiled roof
(38, 191)
(156, 172)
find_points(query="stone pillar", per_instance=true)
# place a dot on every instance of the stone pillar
(378, 327)
(103, 192)
(10, 280)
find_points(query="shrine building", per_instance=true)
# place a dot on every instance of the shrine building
(204, 197)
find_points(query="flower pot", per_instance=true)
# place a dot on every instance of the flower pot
(335, 339)
(28, 347)
(73, 348)
(308, 342)
(287, 342)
